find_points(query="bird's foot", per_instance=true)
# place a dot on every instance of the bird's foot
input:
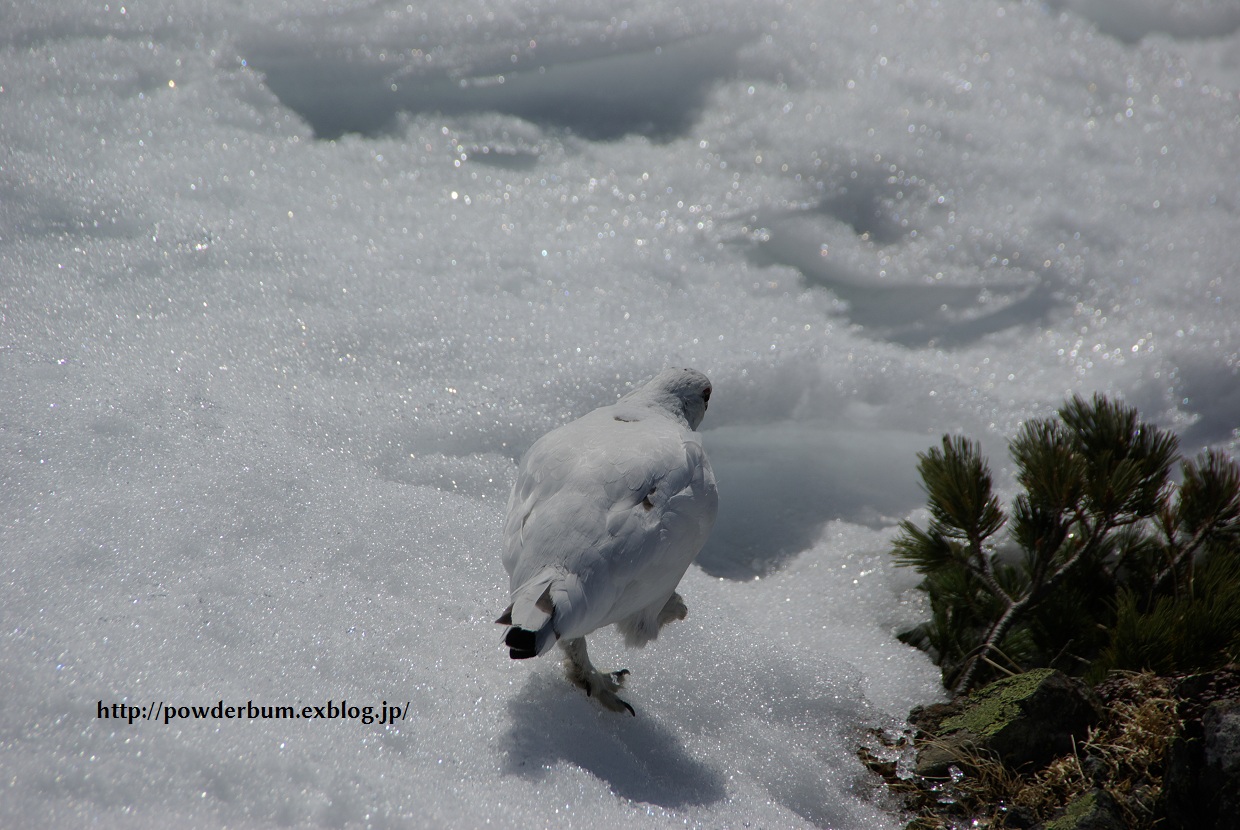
(602, 686)
(673, 609)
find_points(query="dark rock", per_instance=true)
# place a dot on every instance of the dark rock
(935, 759)
(1221, 724)
(1095, 769)
(1018, 818)
(1202, 782)
(927, 718)
(1024, 721)
(1095, 810)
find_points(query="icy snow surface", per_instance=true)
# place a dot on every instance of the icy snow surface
(287, 287)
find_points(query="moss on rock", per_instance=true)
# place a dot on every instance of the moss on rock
(1094, 810)
(1024, 721)
(992, 708)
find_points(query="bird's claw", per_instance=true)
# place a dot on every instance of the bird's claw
(602, 686)
(611, 701)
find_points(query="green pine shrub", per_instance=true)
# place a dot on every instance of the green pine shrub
(1100, 563)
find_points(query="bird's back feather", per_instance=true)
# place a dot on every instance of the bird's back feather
(606, 514)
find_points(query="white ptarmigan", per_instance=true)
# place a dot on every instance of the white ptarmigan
(605, 516)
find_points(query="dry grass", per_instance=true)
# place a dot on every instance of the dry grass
(1124, 756)
(1132, 748)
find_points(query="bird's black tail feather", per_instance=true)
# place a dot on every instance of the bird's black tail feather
(521, 643)
(535, 631)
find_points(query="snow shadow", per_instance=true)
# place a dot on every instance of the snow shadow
(339, 89)
(23, 215)
(832, 243)
(1131, 21)
(551, 723)
(778, 486)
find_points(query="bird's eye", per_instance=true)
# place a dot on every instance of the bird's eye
(706, 395)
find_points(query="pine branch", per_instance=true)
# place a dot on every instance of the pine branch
(1179, 555)
(982, 566)
(1097, 521)
(1016, 608)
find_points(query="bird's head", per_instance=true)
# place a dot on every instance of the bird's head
(684, 392)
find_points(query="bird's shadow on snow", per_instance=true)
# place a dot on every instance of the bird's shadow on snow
(551, 722)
